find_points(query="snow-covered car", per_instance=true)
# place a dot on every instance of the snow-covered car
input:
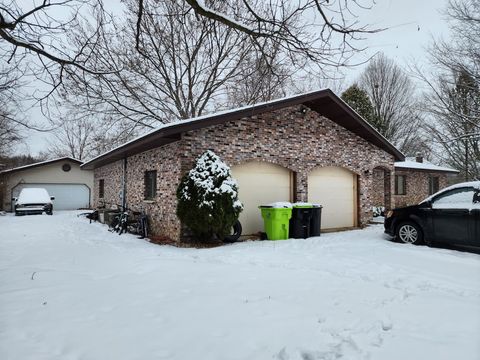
(33, 201)
(450, 216)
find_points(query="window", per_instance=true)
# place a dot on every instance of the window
(461, 198)
(150, 184)
(400, 184)
(432, 184)
(101, 188)
(66, 167)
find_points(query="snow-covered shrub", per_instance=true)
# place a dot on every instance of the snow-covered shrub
(208, 198)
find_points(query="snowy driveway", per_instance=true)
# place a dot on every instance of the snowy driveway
(71, 290)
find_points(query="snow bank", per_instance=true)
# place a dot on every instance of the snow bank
(72, 290)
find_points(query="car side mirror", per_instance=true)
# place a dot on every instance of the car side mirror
(14, 199)
(52, 197)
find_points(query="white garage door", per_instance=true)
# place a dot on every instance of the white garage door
(335, 189)
(67, 196)
(260, 183)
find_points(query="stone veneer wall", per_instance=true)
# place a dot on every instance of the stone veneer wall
(295, 139)
(112, 176)
(417, 186)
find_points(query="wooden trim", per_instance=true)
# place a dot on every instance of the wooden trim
(293, 186)
(357, 212)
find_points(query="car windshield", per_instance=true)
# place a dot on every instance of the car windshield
(34, 196)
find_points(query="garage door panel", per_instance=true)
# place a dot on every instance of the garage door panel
(335, 189)
(67, 196)
(260, 183)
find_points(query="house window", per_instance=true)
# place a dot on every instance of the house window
(433, 184)
(150, 184)
(400, 185)
(101, 188)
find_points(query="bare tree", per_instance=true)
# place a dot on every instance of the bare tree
(395, 105)
(83, 137)
(323, 32)
(453, 95)
(74, 137)
(38, 38)
(174, 73)
(11, 115)
(260, 80)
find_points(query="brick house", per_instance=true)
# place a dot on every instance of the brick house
(414, 181)
(311, 147)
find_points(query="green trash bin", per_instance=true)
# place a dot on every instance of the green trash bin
(276, 221)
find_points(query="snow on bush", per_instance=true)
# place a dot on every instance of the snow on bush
(208, 198)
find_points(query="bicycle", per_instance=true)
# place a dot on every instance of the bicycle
(137, 223)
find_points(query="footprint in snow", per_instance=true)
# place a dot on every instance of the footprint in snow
(387, 324)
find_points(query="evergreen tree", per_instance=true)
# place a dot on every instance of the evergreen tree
(208, 198)
(359, 101)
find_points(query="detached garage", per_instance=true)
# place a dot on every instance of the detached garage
(311, 147)
(62, 178)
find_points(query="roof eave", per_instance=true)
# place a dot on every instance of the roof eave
(151, 140)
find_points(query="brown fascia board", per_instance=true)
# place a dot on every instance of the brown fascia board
(41, 163)
(325, 102)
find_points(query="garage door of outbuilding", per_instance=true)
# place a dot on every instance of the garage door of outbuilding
(260, 183)
(334, 188)
(67, 196)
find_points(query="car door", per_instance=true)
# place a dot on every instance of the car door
(452, 216)
(475, 241)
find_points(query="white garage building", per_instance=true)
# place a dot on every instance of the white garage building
(62, 178)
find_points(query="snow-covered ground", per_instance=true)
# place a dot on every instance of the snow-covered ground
(72, 290)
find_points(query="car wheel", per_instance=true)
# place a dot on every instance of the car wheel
(409, 233)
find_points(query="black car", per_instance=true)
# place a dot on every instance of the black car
(449, 216)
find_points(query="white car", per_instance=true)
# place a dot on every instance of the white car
(33, 201)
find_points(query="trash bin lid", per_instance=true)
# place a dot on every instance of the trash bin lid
(278, 205)
(303, 205)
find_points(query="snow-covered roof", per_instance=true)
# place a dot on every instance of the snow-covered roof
(410, 164)
(349, 119)
(41, 163)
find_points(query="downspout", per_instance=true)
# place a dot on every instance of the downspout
(124, 183)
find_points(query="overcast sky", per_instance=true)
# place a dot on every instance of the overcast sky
(411, 25)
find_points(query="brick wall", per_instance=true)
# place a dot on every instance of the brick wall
(297, 140)
(162, 209)
(112, 176)
(417, 186)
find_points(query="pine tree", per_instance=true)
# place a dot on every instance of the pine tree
(208, 198)
(360, 102)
